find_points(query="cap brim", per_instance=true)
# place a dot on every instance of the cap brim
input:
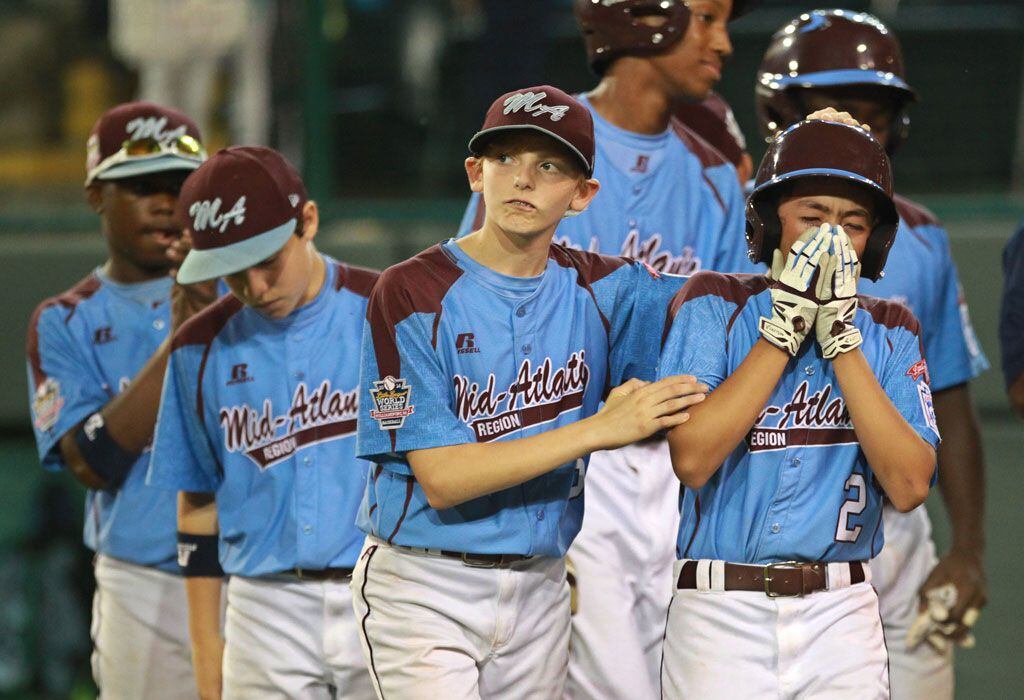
(211, 263)
(850, 76)
(147, 165)
(480, 139)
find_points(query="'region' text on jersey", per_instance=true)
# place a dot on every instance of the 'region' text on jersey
(262, 412)
(798, 488)
(669, 199)
(483, 357)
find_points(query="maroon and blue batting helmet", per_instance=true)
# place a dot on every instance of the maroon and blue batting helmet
(829, 150)
(613, 28)
(830, 49)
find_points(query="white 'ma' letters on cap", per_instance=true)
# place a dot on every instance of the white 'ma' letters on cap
(206, 214)
(530, 103)
(153, 128)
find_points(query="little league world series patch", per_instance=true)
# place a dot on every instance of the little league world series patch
(391, 402)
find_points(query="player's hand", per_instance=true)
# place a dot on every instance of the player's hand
(951, 599)
(793, 305)
(207, 665)
(837, 290)
(187, 300)
(831, 114)
(637, 409)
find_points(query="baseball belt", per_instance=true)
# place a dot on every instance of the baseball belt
(780, 579)
(477, 561)
(333, 573)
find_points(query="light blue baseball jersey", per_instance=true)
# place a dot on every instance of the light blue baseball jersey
(262, 412)
(670, 200)
(798, 487)
(456, 353)
(84, 346)
(920, 273)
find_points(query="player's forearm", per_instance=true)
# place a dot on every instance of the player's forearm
(899, 457)
(197, 513)
(204, 595)
(961, 467)
(1016, 393)
(459, 473)
(700, 446)
(131, 415)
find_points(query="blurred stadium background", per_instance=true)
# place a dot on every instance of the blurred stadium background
(375, 99)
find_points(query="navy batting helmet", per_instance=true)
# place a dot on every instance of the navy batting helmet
(830, 48)
(822, 149)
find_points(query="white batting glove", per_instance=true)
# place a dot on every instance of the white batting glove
(933, 626)
(837, 290)
(793, 305)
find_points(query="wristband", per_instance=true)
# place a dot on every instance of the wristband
(105, 457)
(198, 555)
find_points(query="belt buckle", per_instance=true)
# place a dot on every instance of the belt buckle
(768, 568)
(478, 564)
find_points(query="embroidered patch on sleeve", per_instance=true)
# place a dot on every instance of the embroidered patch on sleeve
(391, 402)
(918, 370)
(47, 404)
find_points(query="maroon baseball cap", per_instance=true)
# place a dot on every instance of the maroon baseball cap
(241, 206)
(139, 138)
(545, 109)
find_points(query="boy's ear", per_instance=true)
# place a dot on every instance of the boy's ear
(310, 220)
(94, 198)
(475, 173)
(584, 195)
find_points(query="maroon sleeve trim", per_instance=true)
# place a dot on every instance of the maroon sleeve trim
(201, 329)
(359, 280)
(915, 214)
(68, 300)
(734, 288)
(708, 155)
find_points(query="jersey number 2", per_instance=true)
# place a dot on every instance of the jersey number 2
(853, 506)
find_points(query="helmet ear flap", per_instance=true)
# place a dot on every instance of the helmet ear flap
(763, 232)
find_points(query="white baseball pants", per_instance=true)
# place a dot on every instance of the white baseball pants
(433, 628)
(623, 559)
(286, 638)
(906, 560)
(140, 637)
(738, 644)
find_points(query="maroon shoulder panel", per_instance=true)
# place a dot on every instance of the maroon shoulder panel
(590, 266)
(417, 285)
(890, 314)
(359, 280)
(735, 288)
(709, 155)
(915, 214)
(68, 300)
(202, 328)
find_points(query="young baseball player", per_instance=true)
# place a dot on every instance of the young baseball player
(819, 408)
(852, 61)
(96, 357)
(257, 430)
(485, 361)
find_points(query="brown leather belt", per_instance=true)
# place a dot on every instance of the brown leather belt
(484, 561)
(781, 579)
(333, 573)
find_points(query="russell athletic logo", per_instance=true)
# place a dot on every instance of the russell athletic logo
(391, 402)
(206, 214)
(103, 335)
(529, 102)
(239, 374)
(465, 344)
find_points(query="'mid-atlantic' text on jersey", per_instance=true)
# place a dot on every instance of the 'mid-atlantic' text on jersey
(262, 412)
(456, 353)
(670, 200)
(920, 273)
(798, 487)
(84, 346)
